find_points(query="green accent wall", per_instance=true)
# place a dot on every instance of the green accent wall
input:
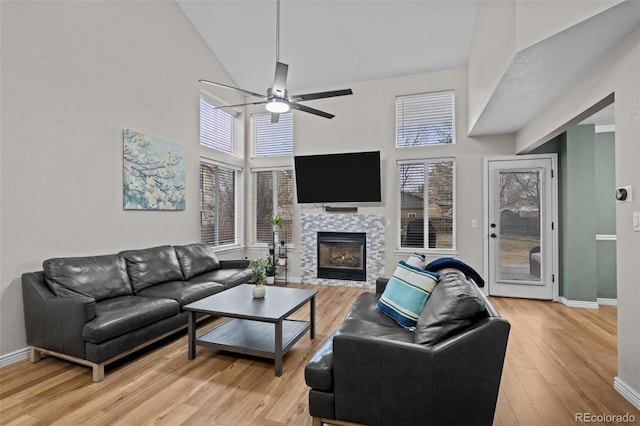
(606, 214)
(586, 183)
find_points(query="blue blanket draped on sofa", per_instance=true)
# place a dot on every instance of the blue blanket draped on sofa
(450, 262)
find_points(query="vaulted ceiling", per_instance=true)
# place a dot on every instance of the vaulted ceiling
(338, 42)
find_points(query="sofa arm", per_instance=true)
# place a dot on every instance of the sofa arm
(372, 375)
(467, 373)
(381, 284)
(53, 322)
(234, 264)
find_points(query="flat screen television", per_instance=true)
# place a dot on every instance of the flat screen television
(338, 178)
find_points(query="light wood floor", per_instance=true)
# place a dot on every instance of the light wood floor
(560, 361)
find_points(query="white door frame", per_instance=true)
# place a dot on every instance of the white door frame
(554, 215)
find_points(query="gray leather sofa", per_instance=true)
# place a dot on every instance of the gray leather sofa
(96, 309)
(446, 372)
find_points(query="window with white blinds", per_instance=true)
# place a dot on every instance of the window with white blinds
(272, 194)
(425, 206)
(425, 119)
(218, 204)
(272, 139)
(216, 127)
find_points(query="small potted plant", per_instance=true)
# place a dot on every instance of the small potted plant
(276, 221)
(271, 248)
(270, 271)
(259, 268)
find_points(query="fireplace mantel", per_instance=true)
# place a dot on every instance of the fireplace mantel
(372, 225)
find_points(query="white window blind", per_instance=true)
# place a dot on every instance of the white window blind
(218, 204)
(425, 207)
(272, 194)
(216, 127)
(272, 139)
(425, 119)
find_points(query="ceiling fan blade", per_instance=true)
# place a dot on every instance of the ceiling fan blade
(280, 80)
(239, 105)
(234, 88)
(320, 95)
(314, 111)
(275, 117)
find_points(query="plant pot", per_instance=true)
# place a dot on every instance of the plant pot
(270, 280)
(258, 291)
(282, 261)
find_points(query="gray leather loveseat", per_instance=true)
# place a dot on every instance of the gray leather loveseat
(445, 372)
(96, 309)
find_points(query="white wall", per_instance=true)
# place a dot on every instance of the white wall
(74, 75)
(365, 121)
(617, 72)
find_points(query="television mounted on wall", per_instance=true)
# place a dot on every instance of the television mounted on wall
(338, 178)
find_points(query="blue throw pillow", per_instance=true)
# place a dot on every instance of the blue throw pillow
(406, 293)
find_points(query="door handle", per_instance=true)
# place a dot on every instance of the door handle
(493, 235)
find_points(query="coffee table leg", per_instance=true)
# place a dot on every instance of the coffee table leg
(192, 335)
(313, 317)
(278, 349)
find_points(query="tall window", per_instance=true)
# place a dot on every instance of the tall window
(425, 119)
(272, 194)
(426, 207)
(218, 204)
(216, 127)
(272, 139)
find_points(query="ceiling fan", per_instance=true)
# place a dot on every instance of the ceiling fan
(277, 99)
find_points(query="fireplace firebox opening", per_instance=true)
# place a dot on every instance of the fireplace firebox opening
(342, 255)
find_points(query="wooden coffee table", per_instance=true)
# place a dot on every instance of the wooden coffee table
(257, 327)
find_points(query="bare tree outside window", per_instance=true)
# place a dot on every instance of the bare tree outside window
(217, 204)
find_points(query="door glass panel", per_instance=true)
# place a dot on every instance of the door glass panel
(520, 257)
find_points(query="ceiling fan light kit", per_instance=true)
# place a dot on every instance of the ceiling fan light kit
(277, 106)
(277, 100)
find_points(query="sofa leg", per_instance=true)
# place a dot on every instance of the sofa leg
(35, 355)
(317, 421)
(98, 372)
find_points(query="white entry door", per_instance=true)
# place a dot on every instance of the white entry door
(521, 226)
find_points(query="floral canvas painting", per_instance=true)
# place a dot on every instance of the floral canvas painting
(154, 173)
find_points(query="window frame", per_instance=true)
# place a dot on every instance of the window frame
(424, 97)
(238, 177)
(276, 207)
(254, 134)
(214, 103)
(398, 208)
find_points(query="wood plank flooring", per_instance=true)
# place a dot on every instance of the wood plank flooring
(560, 361)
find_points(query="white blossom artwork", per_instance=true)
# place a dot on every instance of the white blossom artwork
(154, 173)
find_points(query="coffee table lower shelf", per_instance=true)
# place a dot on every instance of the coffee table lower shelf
(255, 338)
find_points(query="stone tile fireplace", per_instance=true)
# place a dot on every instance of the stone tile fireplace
(369, 257)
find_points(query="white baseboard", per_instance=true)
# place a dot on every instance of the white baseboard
(608, 302)
(630, 394)
(578, 303)
(15, 356)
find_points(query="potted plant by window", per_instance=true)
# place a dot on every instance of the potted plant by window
(258, 266)
(271, 248)
(276, 221)
(270, 271)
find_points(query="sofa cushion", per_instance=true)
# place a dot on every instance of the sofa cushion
(406, 293)
(184, 292)
(454, 305)
(227, 277)
(121, 315)
(98, 277)
(196, 258)
(151, 266)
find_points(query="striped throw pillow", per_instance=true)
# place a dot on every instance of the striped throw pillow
(406, 293)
